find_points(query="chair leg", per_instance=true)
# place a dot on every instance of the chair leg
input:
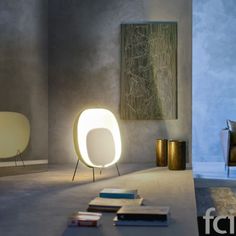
(75, 170)
(93, 175)
(228, 172)
(117, 169)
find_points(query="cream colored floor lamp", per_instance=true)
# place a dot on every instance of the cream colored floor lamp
(97, 139)
(14, 135)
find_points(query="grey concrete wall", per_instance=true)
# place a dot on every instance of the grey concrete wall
(214, 70)
(84, 71)
(23, 67)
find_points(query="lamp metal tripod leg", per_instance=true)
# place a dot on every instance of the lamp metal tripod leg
(20, 156)
(75, 170)
(117, 169)
(93, 175)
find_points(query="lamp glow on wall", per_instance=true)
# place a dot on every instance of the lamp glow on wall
(97, 139)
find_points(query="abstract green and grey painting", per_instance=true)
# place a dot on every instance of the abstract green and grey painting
(149, 71)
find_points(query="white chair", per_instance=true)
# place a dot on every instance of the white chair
(97, 139)
(14, 135)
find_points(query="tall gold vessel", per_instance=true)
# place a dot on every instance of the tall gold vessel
(161, 152)
(176, 155)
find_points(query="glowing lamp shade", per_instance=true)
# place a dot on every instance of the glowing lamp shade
(97, 126)
(14, 134)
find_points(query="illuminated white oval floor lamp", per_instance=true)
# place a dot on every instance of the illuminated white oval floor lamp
(97, 139)
(14, 135)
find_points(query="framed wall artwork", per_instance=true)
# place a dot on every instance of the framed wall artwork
(149, 71)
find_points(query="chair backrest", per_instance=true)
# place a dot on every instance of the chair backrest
(97, 138)
(14, 134)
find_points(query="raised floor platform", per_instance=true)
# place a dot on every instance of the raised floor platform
(40, 203)
(213, 170)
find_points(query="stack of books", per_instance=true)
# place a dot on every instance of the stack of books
(88, 219)
(142, 216)
(111, 200)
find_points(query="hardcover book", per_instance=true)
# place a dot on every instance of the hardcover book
(112, 205)
(139, 222)
(118, 193)
(84, 219)
(145, 213)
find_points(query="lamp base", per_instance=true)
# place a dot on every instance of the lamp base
(76, 167)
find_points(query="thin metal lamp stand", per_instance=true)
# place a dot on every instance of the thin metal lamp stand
(18, 154)
(76, 167)
(75, 170)
(117, 169)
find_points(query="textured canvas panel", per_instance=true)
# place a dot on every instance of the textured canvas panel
(149, 71)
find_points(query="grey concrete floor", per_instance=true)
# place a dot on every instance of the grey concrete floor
(24, 197)
(38, 204)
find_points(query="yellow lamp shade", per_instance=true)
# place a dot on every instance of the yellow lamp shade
(14, 134)
(97, 134)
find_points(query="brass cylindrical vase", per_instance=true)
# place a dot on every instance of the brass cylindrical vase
(161, 152)
(176, 155)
